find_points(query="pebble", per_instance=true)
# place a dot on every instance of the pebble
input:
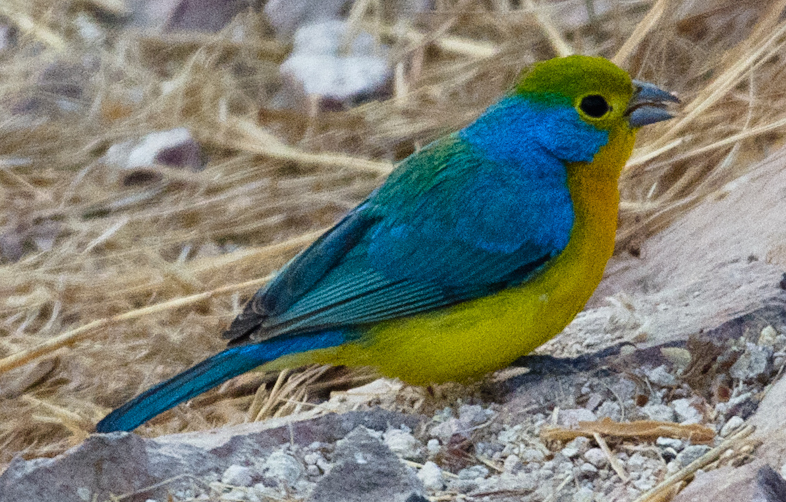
(686, 413)
(281, 466)
(433, 447)
(513, 464)
(753, 363)
(588, 469)
(237, 475)
(584, 494)
(691, 453)
(473, 415)
(473, 472)
(403, 444)
(531, 455)
(731, 425)
(659, 412)
(596, 457)
(570, 418)
(669, 443)
(768, 336)
(661, 376)
(610, 409)
(431, 476)
(445, 430)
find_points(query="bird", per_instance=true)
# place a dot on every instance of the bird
(475, 250)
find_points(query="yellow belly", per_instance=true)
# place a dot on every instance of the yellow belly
(473, 338)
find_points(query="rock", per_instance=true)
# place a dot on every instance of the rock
(445, 430)
(609, 409)
(584, 494)
(280, 467)
(513, 464)
(366, 469)
(691, 453)
(665, 442)
(238, 475)
(433, 447)
(403, 444)
(753, 364)
(319, 67)
(120, 462)
(686, 412)
(756, 482)
(531, 455)
(473, 472)
(172, 148)
(570, 418)
(768, 336)
(731, 425)
(473, 415)
(661, 376)
(659, 412)
(431, 476)
(596, 457)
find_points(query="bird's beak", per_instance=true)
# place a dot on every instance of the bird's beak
(649, 104)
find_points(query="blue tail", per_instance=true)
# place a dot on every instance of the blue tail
(208, 374)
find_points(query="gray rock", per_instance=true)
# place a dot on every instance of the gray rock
(282, 467)
(596, 457)
(661, 376)
(686, 413)
(731, 425)
(173, 148)
(753, 364)
(473, 415)
(659, 412)
(665, 442)
(691, 453)
(431, 476)
(366, 469)
(318, 66)
(238, 475)
(403, 444)
(120, 462)
(513, 464)
(531, 455)
(473, 472)
(571, 418)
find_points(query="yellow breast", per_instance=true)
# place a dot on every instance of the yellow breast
(473, 338)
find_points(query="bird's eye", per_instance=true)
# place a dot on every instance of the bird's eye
(594, 106)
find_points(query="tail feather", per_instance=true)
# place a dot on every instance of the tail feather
(209, 373)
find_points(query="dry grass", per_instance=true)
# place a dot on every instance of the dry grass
(120, 286)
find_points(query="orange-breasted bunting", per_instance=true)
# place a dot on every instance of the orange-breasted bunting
(476, 249)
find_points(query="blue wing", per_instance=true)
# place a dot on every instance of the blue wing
(448, 226)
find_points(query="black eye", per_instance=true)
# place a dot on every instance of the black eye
(594, 106)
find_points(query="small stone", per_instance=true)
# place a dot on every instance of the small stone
(237, 475)
(473, 472)
(665, 442)
(83, 493)
(637, 461)
(593, 401)
(659, 412)
(610, 409)
(403, 444)
(596, 457)
(431, 476)
(313, 470)
(584, 494)
(433, 447)
(691, 453)
(686, 413)
(570, 418)
(731, 425)
(445, 430)
(752, 364)
(513, 464)
(768, 336)
(280, 466)
(570, 452)
(661, 376)
(531, 455)
(588, 469)
(473, 415)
